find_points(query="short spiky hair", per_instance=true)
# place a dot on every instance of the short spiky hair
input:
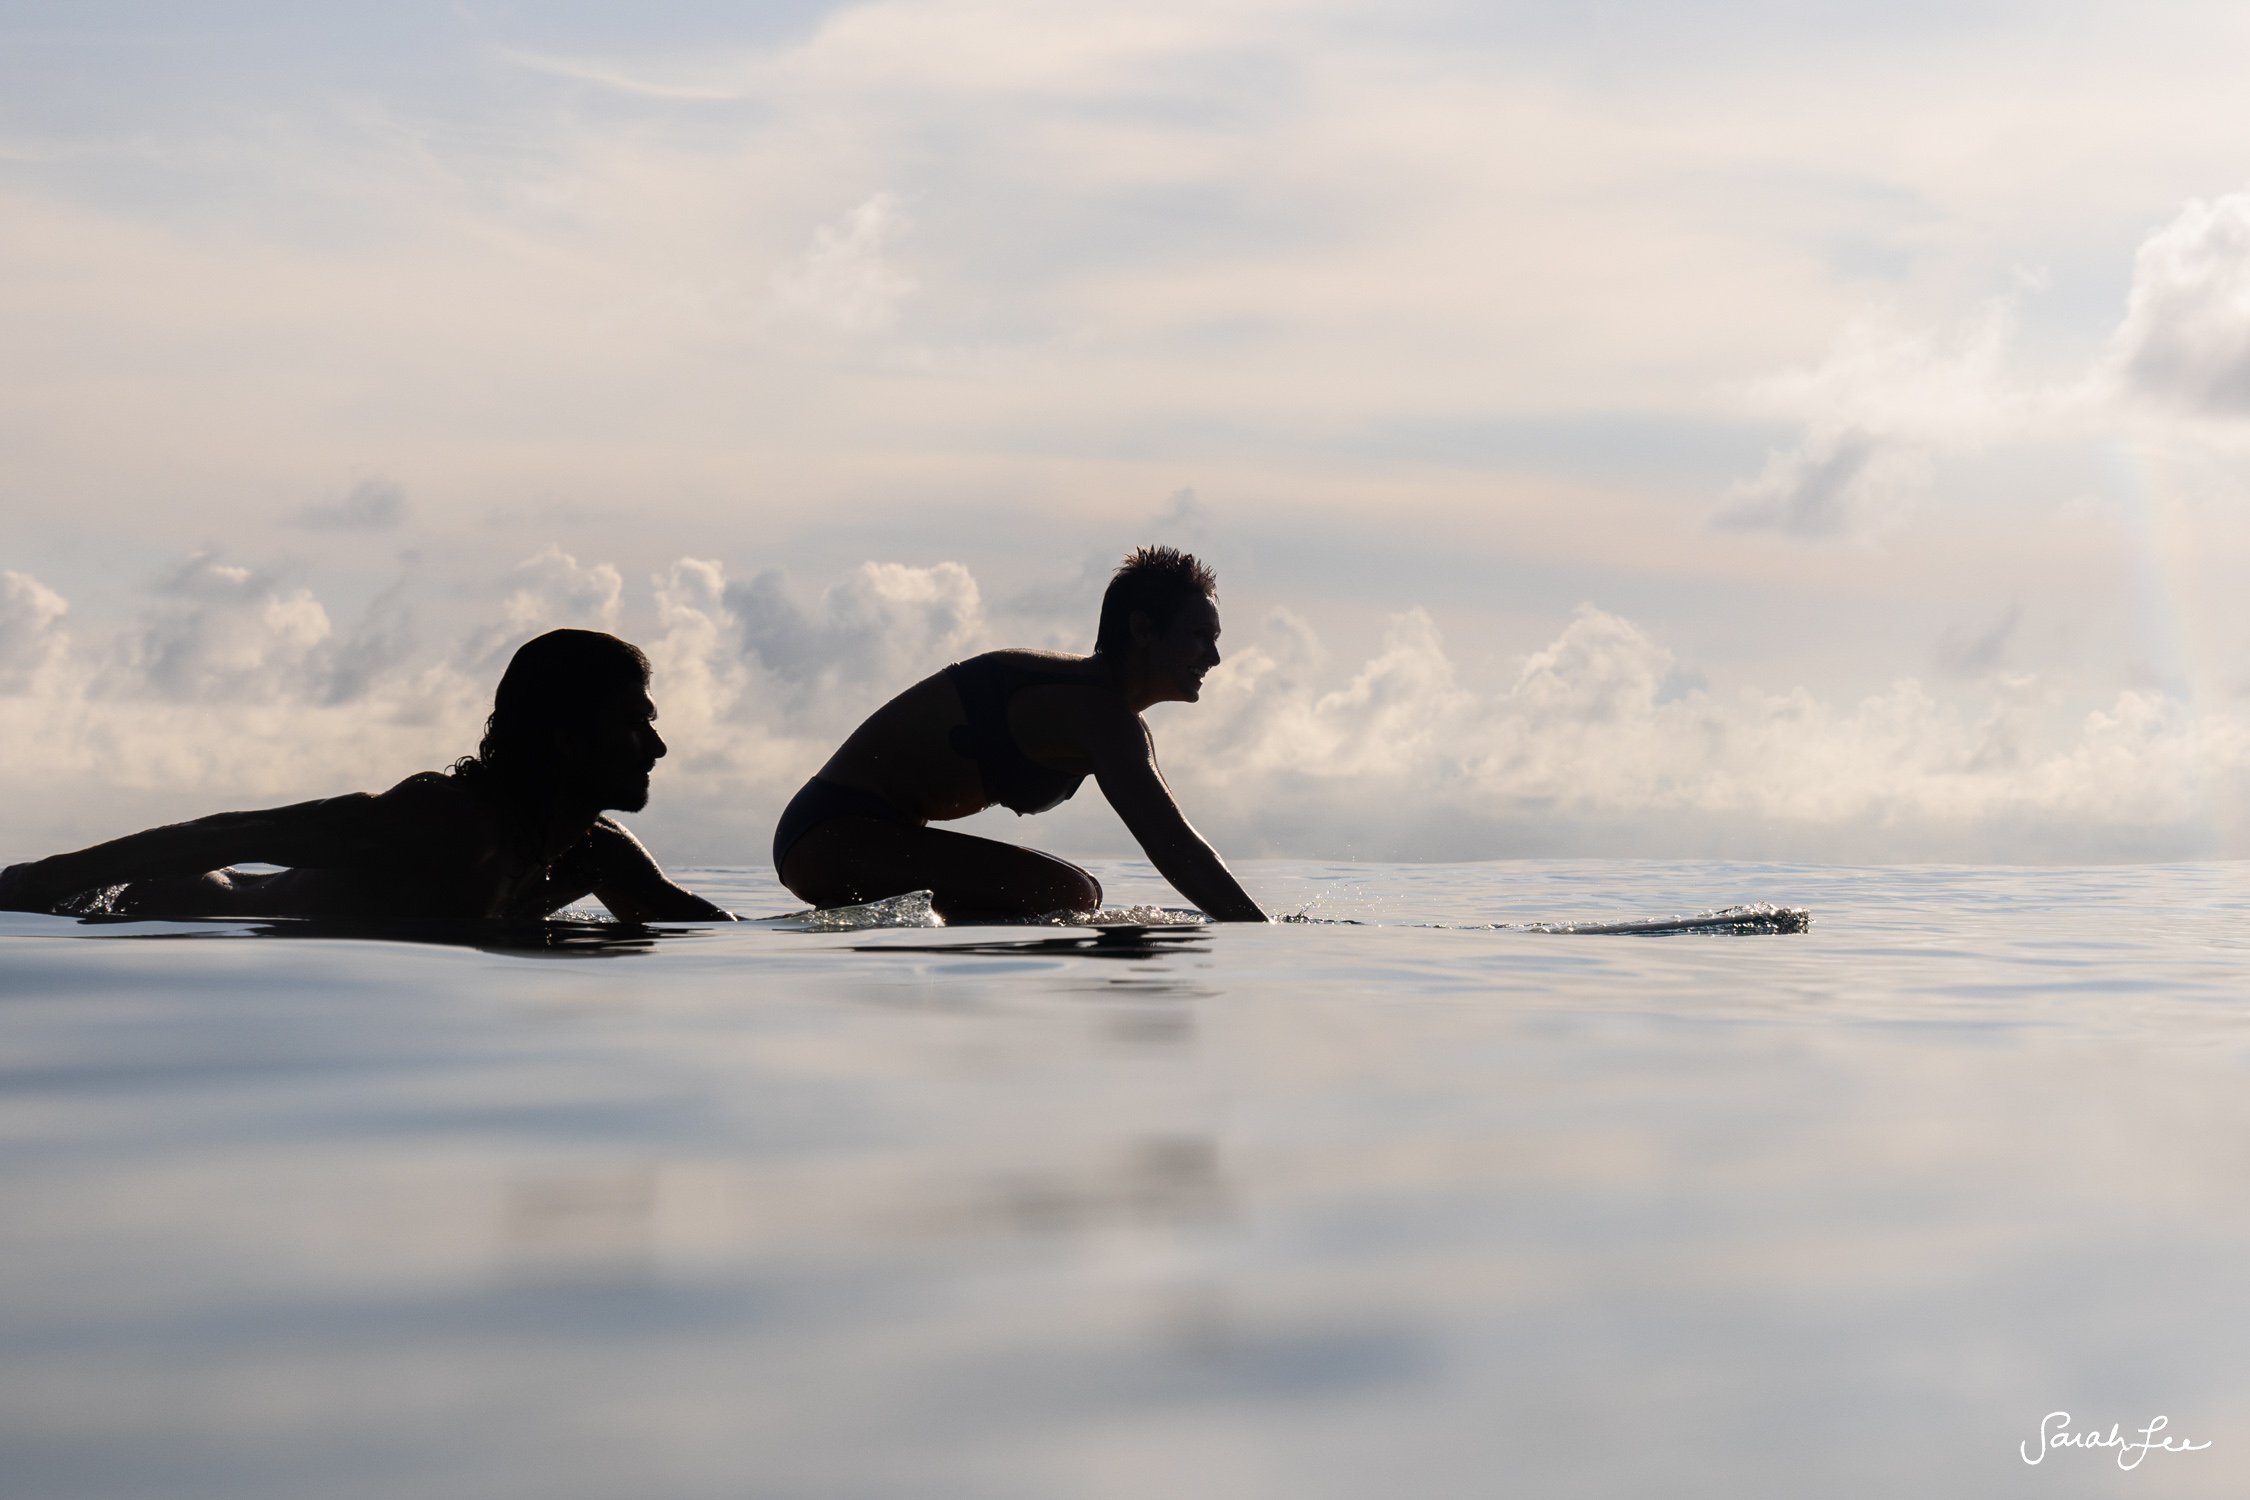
(1155, 581)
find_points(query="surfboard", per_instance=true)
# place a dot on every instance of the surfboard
(1756, 917)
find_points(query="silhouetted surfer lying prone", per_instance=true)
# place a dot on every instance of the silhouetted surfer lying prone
(1021, 729)
(514, 831)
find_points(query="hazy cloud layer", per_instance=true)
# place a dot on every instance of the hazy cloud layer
(1881, 414)
(1976, 651)
(369, 505)
(1817, 489)
(31, 635)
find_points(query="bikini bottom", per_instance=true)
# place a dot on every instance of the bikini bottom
(817, 802)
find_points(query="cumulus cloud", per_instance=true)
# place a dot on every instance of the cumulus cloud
(549, 590)
(369, 505)
(2185, 340)
(845, 279)
(746, 739)
(1600, 670)
(222, 631)
(884, 623)
(1598, 741)
(1597, 746)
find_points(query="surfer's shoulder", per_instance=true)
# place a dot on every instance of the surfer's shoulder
(1026, 659)
(431, 790)
(431, 805)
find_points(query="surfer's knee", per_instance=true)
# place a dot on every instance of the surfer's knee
(1086, 891)
(207, 894)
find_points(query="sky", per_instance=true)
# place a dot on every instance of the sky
(1741, 430)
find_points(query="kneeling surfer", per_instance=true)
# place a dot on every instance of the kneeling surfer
(514, 831)
(1021, 729)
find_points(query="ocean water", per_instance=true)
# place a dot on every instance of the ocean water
(1391, 1202)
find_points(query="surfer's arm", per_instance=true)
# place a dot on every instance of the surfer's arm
(328, 831)
(618, 870)
(1125, 768)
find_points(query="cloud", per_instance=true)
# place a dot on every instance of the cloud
(370, 505)
(1185, 521)
(2185, 340)
(1973, 652)
(845, 280)
(1059, 612)
(549, 590)
(1878, 413)
(696, 661)
(885, 623)
(608, 76)
(1819, 488)
(1889, 407)
(219, 631)
(384, 638)
(1600, 670)
(730, 725)
(31, 636)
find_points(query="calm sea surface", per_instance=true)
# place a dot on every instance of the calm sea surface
(1315, 1210)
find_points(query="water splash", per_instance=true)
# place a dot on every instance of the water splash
(1126, 916)
(101, 901)
(914, 910)
(909, 910)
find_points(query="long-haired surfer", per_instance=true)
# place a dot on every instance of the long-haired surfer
(1020, 729)
(514, 831)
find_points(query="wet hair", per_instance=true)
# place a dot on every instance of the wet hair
(554, 681)
(1154, 581)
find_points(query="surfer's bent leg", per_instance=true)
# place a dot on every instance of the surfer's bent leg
(211, 894)
(850, 859)
(226, 893)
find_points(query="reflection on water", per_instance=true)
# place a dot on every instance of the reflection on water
(587, 937)
(1328, 1209)
(1157, 1181)
(1099, 942)
(581, 1220)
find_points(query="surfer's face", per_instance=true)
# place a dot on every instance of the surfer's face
(619, 749)
(1185, 649)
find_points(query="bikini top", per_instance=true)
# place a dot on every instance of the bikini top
(1011, 778)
